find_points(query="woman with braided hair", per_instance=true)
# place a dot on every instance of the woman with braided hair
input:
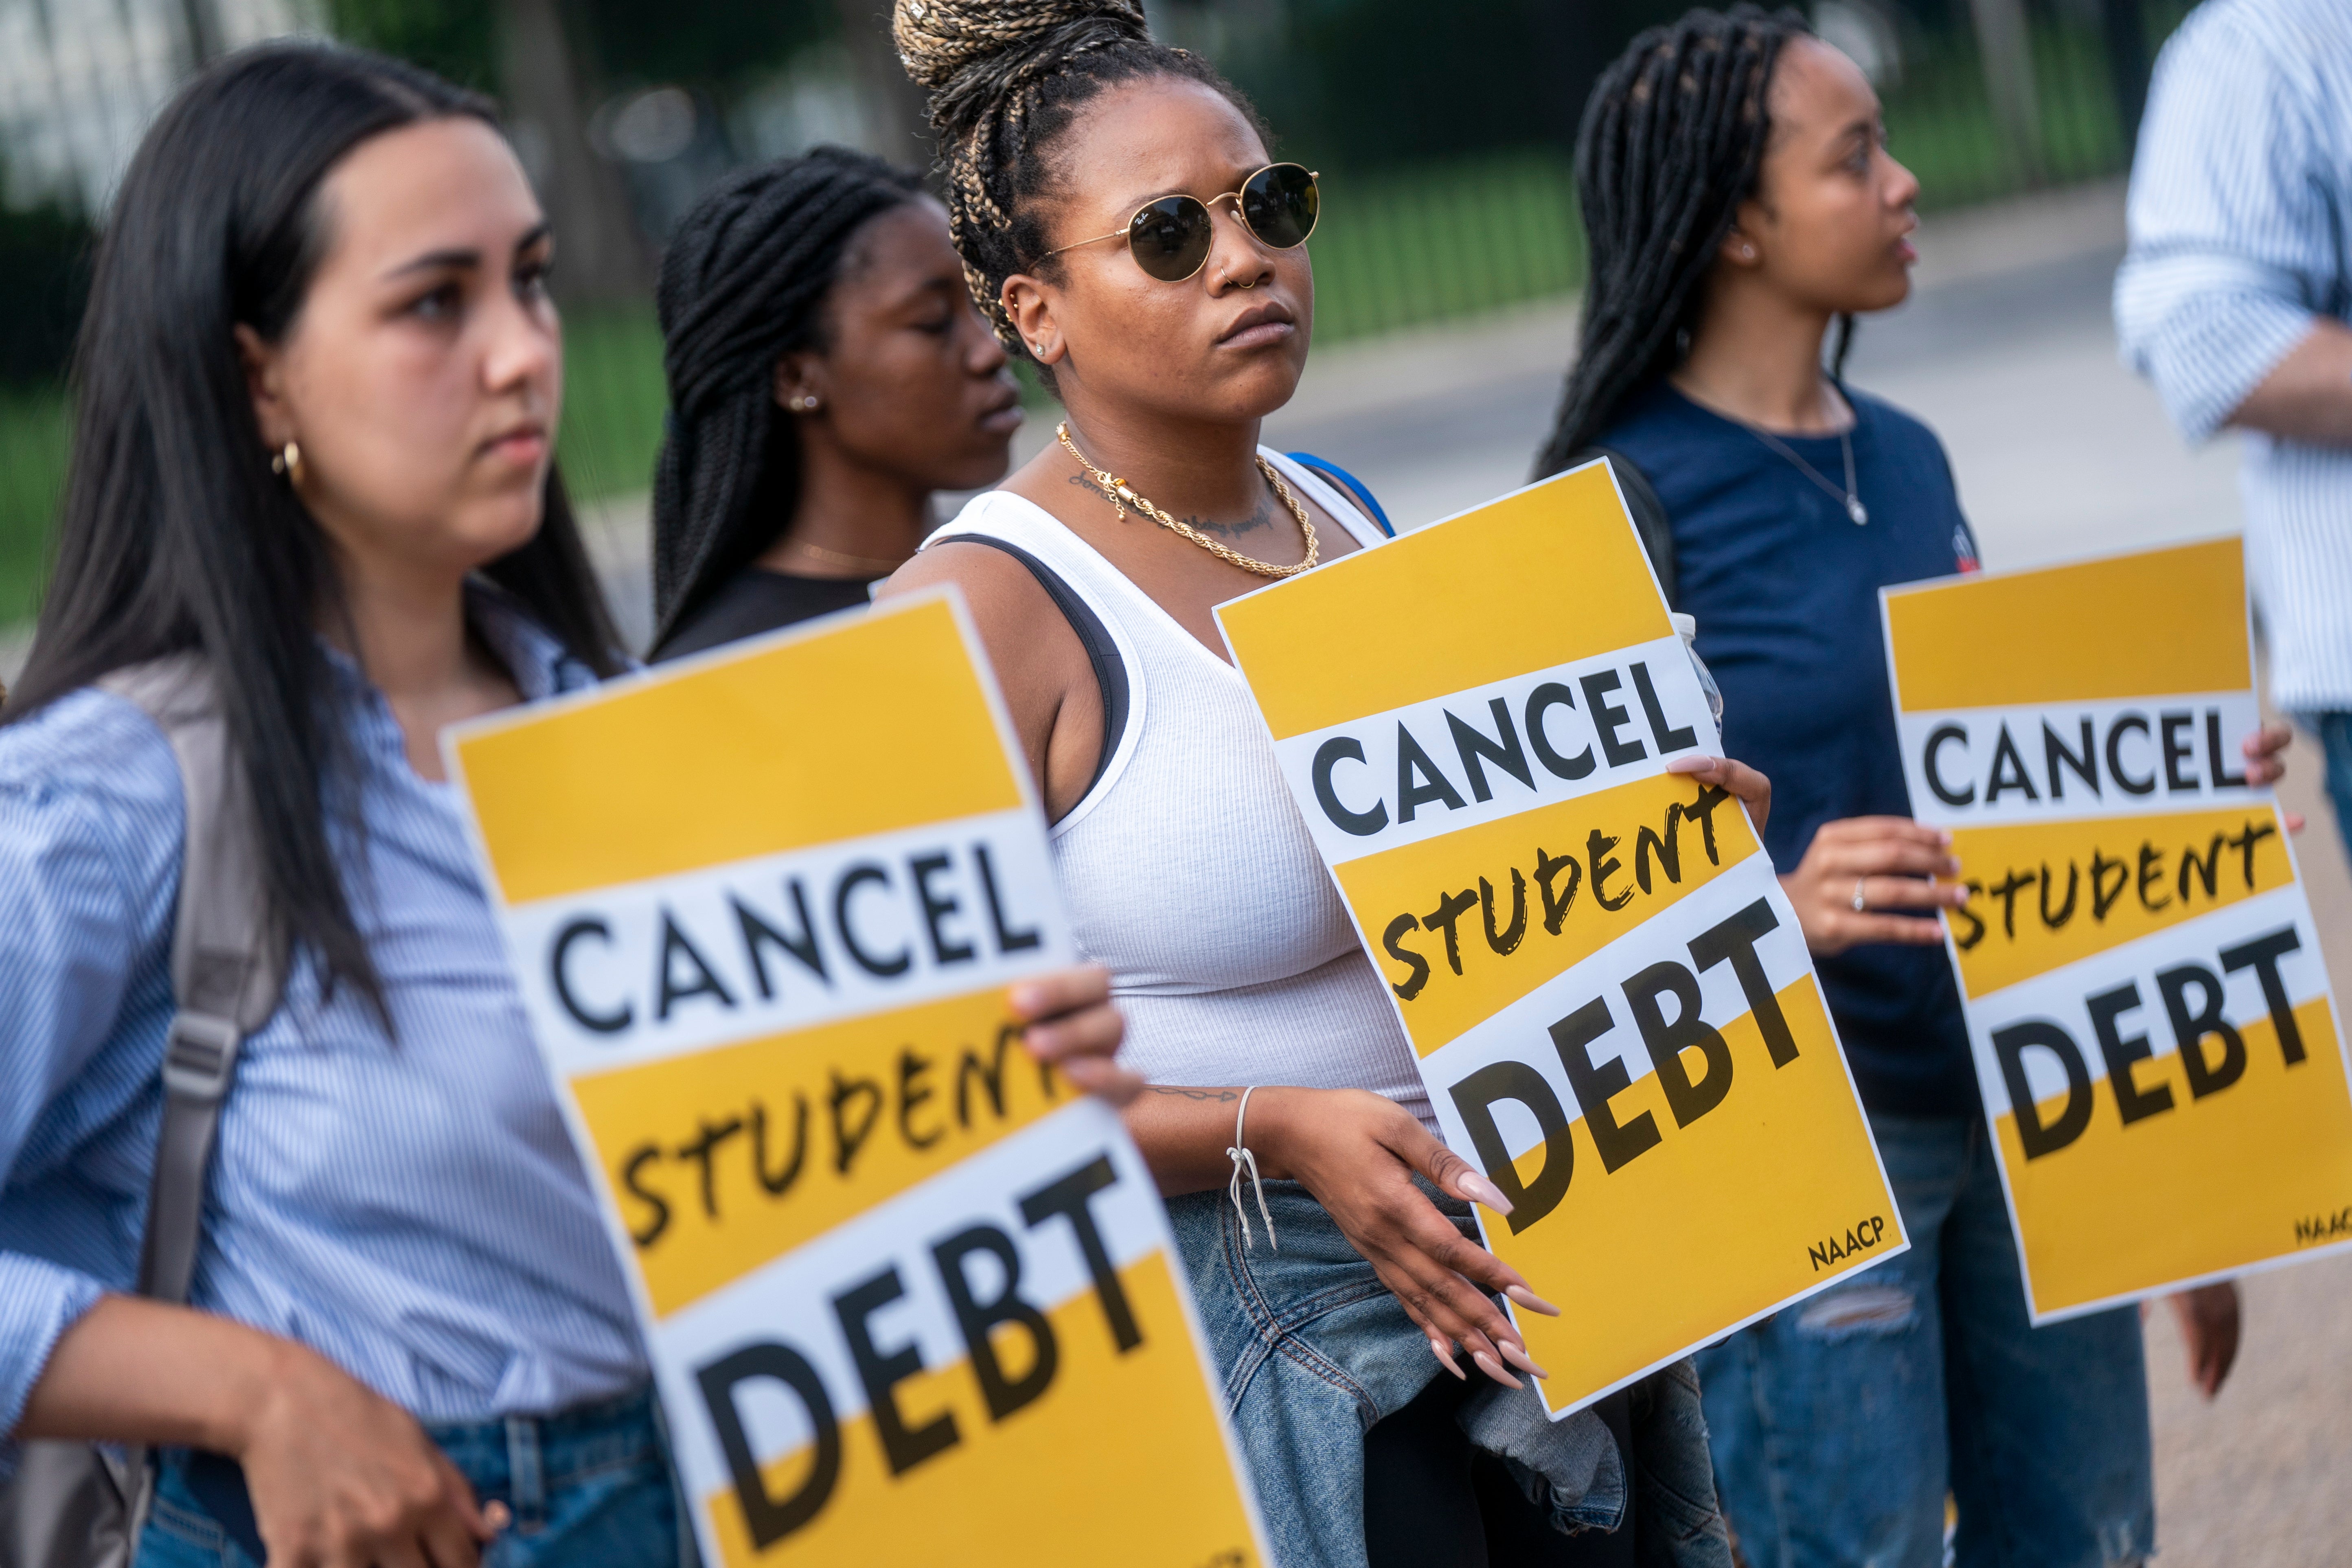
(1739, 199)
(1123, 224)
(827, 373)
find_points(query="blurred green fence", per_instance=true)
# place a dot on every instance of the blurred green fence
(1398, 247)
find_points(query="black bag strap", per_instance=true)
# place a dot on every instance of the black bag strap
(1102, 653)
(1650, 519)
(228, 957)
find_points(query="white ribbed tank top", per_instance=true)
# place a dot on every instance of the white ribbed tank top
(1186, 867)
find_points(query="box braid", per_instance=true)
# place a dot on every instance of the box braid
(1670, 145)
(1006, 78)
(743, 283)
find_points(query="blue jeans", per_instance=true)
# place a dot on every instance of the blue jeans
(1838, 1424)
(1313, 1349)
(588, 1486)
(2333, 729)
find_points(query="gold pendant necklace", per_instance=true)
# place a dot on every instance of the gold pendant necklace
(1116, 492)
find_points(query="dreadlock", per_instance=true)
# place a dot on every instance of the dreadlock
(1006, 78)
(1670, 145)
(743, 283)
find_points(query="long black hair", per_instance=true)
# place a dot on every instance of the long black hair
(1006, 78)
(1672, 139)
(174, 535)
(743, 283)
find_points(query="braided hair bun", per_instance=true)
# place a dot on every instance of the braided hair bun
(743, 282)
(1006, 78)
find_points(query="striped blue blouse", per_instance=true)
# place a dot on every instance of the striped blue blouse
(412, 1209)
(2241, 217)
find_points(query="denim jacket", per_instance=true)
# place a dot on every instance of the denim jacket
(1313, 1349)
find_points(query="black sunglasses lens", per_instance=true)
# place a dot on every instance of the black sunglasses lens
(1170, 238)
(1280, 204)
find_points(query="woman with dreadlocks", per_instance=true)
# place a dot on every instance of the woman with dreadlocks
(827, 372)
(1739, 199)
(1122, 223)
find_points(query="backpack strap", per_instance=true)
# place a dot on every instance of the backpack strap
(1102, 653)
(1348, 484)
(1650, 519)
(229, 957)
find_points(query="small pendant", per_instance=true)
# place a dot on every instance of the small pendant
(1856, 511)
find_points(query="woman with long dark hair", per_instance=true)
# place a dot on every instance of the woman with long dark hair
(1126, 227)
(1740, 202)
(827, 373)
(316, 407)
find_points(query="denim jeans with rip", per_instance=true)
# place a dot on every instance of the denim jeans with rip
(1839, 1424)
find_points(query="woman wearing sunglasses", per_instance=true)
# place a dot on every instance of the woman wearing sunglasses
(1122, 223)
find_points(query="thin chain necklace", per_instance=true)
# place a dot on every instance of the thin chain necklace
(873, 563)
(1850, 495)
(1117, 491)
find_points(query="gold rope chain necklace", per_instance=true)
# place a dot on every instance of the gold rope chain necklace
(1116, 492)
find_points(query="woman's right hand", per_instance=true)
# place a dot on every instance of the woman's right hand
(1356, 1152)
(342, 1477)
(1895, 862)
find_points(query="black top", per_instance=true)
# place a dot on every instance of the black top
(1785, 588)
(757, 600)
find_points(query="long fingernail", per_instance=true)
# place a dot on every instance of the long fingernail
(1961, 896)
(1445, 1358)
(1493, 1368)
(1531, 1300)
(1691, 762)
(1479, 1190)
(1520, 1359)
(1945, 837)
(1028, 1000)
(497, 1515)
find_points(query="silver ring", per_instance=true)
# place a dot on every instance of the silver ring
(1860, 904)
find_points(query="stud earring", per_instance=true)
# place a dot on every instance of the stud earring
(287, 460)
(803, 404)
(1748, 253)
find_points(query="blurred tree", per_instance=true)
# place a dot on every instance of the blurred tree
(600, 257)
(458, 38)
(44, 276)
(1470, 77)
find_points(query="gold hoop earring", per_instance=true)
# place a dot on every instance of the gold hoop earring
(287, 460)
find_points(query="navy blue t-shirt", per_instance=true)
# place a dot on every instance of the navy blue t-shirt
(1785, 588)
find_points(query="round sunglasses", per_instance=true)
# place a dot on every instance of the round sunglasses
(1171, 237)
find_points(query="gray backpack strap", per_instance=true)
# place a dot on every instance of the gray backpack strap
(76, 1505)
(228, 959)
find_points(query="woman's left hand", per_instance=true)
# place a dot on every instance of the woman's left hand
(2265, 752)
(1753, 789)
(1074, 1025)
(2208, 1318)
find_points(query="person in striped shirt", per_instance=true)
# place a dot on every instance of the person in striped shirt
(2235, 301)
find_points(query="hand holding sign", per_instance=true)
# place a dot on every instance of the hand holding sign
(1501, 749)
(786, 922)
(2153, 1030)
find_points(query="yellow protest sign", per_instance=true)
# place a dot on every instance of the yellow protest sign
(1609, 994)
(907, 1297)
(2154, 1035)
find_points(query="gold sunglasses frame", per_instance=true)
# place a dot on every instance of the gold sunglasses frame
(1127, 231)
